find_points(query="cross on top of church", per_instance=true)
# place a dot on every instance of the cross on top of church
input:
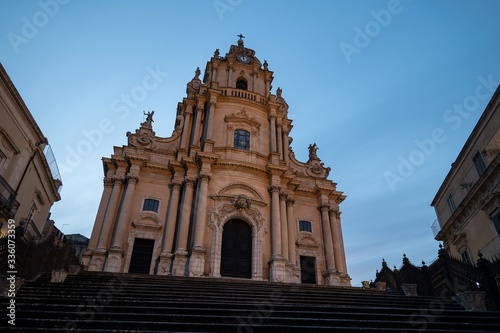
(240, 41)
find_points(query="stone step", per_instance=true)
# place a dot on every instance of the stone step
(55, 311)
(217, 323)
(106, 302)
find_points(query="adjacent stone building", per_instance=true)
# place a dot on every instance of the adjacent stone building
(467, 203)
(224, 196)
(29, 177)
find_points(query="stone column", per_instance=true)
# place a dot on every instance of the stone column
(280, 140)
(272, 132)
(181, 253)
(121, 226)
(202, 211)
(292, 238)
(195, 140)
(284, 227)
(275, 221)
(98, 228)
(186, 131)
(110, 216)
(197, 261)
(169, 230)
(338, 244)
(210, 114)
(101, 213)
(328, 243)
(115, 254)
(277, 272)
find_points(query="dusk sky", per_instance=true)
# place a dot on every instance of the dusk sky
(388, 90)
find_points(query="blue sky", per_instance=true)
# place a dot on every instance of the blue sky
(388, 90)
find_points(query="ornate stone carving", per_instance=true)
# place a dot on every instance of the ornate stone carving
(204, 177)
(147, 220)
(241, 202)
(336, 213)
(242, 117)
(175, 184)
(132, 179)
(190, 182)
(108, 182)
(274, 188)
(322, 207)
(315, 168)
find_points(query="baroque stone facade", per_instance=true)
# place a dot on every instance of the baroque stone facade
(29, 178)
(467, 203)
(224, 195)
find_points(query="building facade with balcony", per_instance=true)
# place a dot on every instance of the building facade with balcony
(467, 203)
(29, 180)
(224, 196)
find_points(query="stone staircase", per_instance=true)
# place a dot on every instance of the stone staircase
(107, 302)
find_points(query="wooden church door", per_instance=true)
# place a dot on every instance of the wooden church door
(236, 256)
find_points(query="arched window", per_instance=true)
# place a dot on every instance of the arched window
(151, 205)
(242, 139)
(241, 84)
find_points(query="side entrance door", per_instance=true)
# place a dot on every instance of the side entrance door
(140, 262)
(307, 269)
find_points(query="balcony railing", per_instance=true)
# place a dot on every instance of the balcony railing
(244, 94)
(8, 202)
(54, 169)
(436, 228)
(30, 229)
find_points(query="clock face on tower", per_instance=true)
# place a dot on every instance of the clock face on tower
(243, 58)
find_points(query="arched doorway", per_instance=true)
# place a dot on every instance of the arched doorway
(236, 254)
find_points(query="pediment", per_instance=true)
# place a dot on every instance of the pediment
(147, 221)
(231, 192)
(241, 189)
(307, 241)
(242, 117)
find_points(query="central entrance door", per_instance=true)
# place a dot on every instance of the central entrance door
(236, 256)
(140, 262)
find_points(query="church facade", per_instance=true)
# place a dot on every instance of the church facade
(224, 195)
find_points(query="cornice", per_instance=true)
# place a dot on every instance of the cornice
(16, 97)
(477, 197)
(237, 164)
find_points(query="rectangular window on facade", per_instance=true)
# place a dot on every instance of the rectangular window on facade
(496, 222)
(242, 139)
(451, 204)
(151, 205)
(465, 256)
(479, 163)
(305, 226)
